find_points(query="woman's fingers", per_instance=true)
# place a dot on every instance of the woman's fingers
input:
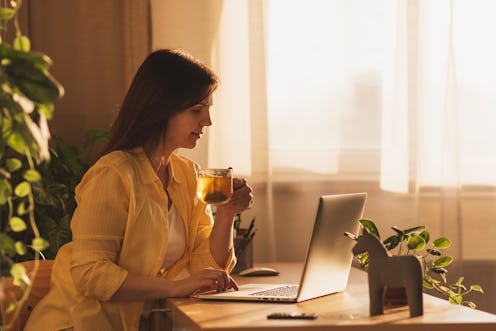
(242, 196)
(218, 280)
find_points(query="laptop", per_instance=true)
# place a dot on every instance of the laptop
(328, 261)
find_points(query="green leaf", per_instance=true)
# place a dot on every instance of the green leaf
(56, 232)
(32, 176)
(7, 244)
(416, 243)
(93, 136)
(460, 280)
(442, 261)
(434, 252)
(393, 241)
(458, 287)
(22, 43)
(39, 244)
(363, 259)
(442, 243)
(9, 54)
(469, 304)
(20, 248)
(17, 142)
(476, 288)
(22, 189)
(5, 191)
(370, 226)
(13, 164)
(17, 224)
(398, 230)
(21, 208)
(34, 83)
(456, 299)
(47, 109)
(427, 284)
(439, 270)
(425, 234)
(414, 229)
(17, 271)
(6, 14)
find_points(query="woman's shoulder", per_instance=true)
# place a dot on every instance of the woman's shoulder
(116, 162)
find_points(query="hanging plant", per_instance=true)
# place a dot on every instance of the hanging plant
(27, 96)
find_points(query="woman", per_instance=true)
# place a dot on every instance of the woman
(139, 232)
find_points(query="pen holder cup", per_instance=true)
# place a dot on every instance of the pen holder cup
(244, 254)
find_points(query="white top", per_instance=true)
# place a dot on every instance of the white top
(176, 244)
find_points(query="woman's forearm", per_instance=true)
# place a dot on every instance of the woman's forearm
(221, 238)
(139, 288)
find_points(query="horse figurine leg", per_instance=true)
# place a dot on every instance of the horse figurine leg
(415, 299)
(376, 298)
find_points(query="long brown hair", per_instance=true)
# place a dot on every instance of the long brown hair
(167, 82)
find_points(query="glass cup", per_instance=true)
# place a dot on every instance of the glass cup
(214, 186)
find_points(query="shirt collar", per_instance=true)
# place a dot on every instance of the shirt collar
(146, 172)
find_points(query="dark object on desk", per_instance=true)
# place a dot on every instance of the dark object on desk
(260, 271)
(243, 245)
(386, 270)
(304, 316)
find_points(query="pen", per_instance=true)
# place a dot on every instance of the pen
(237, 222)
(244, 243)
(252, 224)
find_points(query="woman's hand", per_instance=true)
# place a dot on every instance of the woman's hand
(240, 200)
(206, 280)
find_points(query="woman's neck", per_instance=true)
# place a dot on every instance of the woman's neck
(159, 160)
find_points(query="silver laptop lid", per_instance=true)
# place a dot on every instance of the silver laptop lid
(329, 255)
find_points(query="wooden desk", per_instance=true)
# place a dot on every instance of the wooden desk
(341, 311)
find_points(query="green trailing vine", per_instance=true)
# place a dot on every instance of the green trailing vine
(27, 95)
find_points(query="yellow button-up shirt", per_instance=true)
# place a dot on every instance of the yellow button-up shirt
(120, 227)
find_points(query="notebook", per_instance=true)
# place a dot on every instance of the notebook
(328, 261)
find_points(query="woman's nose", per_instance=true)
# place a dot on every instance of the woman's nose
(207, 121)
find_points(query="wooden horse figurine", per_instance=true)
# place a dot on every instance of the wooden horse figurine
(386, 270)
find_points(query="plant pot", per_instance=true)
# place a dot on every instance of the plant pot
(395, 296)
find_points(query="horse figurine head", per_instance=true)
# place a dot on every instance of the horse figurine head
(370, 243)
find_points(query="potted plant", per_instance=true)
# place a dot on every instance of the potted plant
(417, 241)
(27, 96)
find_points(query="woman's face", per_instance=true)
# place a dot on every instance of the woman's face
(185, 128)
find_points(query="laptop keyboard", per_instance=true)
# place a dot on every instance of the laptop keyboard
(283, 291)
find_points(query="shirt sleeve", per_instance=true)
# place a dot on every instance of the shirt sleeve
(98, 227)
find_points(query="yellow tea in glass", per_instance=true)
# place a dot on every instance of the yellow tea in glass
(214, 186)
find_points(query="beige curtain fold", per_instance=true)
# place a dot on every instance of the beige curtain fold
(96, 47)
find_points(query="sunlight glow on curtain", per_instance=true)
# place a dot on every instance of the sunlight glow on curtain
(446, 81)
(321, 100)
(229, 145)
(352, 82)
